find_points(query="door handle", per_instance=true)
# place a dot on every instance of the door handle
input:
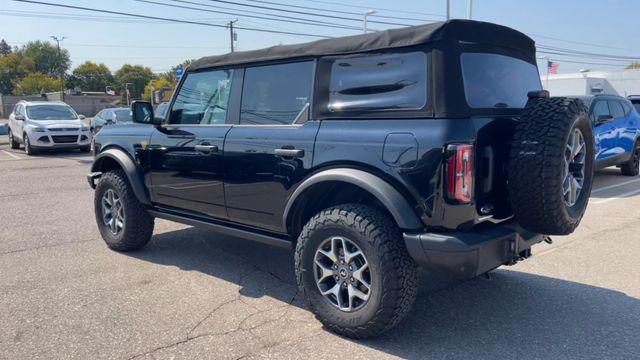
(295, 153)
(206, 148)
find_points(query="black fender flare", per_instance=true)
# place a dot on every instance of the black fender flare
(129, 168)
(402, 212)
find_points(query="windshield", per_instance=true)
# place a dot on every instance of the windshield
(51, 112)
(123, 115)
(497, 81)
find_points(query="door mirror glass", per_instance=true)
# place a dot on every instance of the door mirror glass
(19, 117)
(142, 112)
(604, 119)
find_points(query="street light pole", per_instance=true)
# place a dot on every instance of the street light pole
(469, 8)
(58, 40)
(448, 10)
(367, 13)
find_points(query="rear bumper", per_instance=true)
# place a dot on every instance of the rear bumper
(466, 254)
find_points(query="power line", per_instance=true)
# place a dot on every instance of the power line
(375, 8)
(166, 19)
(337, 11)
(580, 42)
(304, 12)
(83, 17)
(298, 21)
(587, 54)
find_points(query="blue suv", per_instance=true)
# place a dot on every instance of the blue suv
(616, 125)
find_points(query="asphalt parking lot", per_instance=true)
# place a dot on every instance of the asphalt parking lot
(192, 294)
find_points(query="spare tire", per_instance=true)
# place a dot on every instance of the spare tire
(550, 168)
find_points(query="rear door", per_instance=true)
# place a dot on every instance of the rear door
(628, 128)
(270, 150)
(605, 137)
(186, 169)
(619, 125)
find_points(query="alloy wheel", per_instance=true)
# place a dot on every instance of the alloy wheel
(342, 274)
(112, 211)
(575, 156)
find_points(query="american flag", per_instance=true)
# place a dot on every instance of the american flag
(552, 67)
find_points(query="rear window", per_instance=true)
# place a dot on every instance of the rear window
(51, 112)
(497, 81)
(379, 83)
(123, 115)
(616, 109)
(636, 104)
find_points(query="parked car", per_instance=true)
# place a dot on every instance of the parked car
(635, 100)
(40, 125)
(110, 116)
(367, 155)
(616, 127)
(161, 110)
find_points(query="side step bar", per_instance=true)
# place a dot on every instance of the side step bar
(226, 229)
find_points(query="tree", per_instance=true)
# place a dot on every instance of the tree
(5, 49)
(90, 76)
(12, 68)
(137, 76)
(170, 75)
(36, 83)
(157, 85)
(45, 56)
(634, 65)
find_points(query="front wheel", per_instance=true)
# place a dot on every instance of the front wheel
(353, 268)
(632, 167)
(123, 221)
(27, 146)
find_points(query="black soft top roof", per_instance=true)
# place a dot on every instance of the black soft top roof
(452, 30)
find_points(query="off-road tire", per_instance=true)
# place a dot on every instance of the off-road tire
(28, 149)
(138, 224)
(393, 271)
(536, 165)
(12, 141)
(632, 167)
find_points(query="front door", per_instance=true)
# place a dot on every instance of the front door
(186, 154)
(270, 151)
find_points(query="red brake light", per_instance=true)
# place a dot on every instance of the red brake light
(460, 173)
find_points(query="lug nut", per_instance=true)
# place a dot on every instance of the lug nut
(350, 268)
(335, 267)
(352, 280)
(336, 276)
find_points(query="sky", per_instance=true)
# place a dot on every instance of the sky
(609, 28)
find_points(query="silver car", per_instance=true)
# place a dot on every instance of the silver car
(110, 116)
(42, 125)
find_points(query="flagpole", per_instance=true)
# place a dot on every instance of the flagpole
(547, 80)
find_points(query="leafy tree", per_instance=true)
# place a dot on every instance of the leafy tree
(36, 83)
(12, 68)
(5, 49)
(90, 76)
(157, 85)
(634, 65)
(137, 76)
(45, 56)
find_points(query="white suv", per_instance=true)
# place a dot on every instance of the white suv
(47, 125)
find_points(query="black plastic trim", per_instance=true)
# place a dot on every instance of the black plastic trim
(127, 164)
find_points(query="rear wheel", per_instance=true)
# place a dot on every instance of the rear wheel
(551, 165)
(12, 141)
(123, 221)
(632, 167)
(355, 271)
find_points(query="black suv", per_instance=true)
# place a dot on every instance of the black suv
(369, 154)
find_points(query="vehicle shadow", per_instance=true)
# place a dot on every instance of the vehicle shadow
(512, 315)
(610, 183)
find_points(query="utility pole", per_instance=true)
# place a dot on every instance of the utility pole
(232, 35)
(57, 40)
(469, 8)
(367, 13)
(448, 10)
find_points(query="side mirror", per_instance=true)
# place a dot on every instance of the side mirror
(109, 122)
(81, 117)
(602, 119)
(142, 113)
(19, 117)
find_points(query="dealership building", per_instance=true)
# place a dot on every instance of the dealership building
(585, 82)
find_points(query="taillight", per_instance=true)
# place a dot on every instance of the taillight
(460, 172)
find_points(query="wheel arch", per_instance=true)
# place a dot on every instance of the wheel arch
(115, 158)
(317, 192)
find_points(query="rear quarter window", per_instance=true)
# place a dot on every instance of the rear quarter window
(380, 82)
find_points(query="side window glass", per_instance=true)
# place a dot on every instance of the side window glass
(626, 105)
(276, 94)
(379, 82)
(203, 98)
(616, 109)
(600, 108)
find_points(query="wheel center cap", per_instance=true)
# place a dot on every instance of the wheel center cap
(343, 272)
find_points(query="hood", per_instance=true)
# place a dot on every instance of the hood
(52, 124)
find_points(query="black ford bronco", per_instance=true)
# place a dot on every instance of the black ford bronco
(368, 155)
